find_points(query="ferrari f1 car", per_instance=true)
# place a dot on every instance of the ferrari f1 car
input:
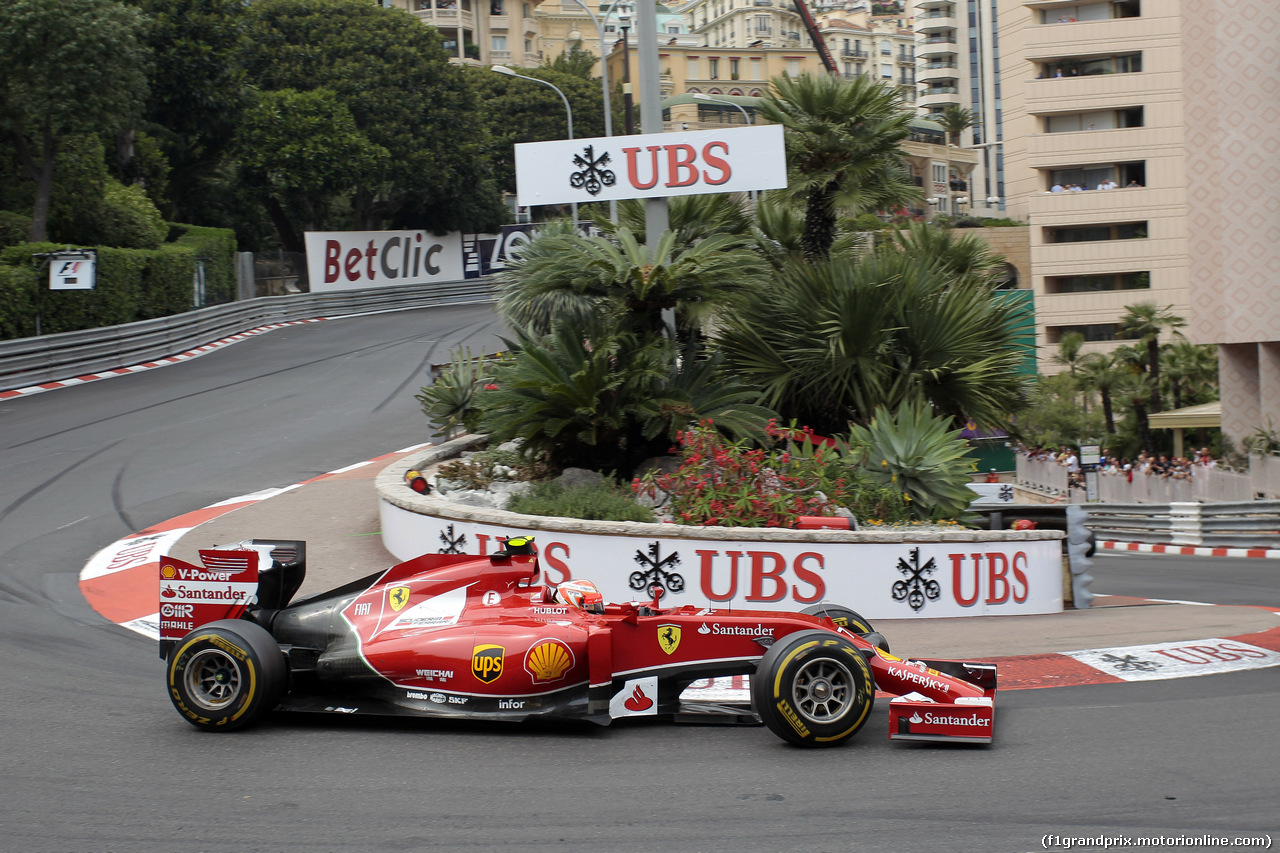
(485, 638)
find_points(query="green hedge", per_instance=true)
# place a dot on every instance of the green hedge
(132, 284)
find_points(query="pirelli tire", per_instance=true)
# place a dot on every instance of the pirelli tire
(850, 620)
(813, 688)
(225, 675)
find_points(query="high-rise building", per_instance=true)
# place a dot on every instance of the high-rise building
(1140, 144)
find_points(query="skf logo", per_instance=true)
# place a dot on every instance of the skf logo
(486, 662)
(398, 597)
(549, 660)
(669, 638)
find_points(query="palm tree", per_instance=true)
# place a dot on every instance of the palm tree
(1145, 321)
(965, 255)
(955, 119)
(1135, 386)
(563, 276)
(1098, 372)
(830, 342)
(1187, 367)
(692, 217)
(843, 149)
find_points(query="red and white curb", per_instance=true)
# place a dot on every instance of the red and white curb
(1189, 550)
(119, 582)
(152, 365)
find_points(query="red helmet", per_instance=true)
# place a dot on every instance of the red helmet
(581, 594)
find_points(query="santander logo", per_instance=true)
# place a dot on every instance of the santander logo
(638, 701)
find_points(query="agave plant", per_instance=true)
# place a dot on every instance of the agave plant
(450, 401)
(916, 452)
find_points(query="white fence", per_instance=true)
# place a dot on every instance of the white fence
(1045, 476)
(1206, 485)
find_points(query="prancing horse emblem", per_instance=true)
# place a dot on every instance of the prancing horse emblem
(398, 597)
(669, 638)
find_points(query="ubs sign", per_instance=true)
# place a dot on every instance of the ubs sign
(651, 165)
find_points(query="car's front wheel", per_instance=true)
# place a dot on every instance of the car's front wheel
(225, 675)
(813, 688)
(851, 621)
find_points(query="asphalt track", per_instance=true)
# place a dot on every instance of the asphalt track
(95, 759)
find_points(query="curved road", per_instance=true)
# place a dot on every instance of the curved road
(93, 757)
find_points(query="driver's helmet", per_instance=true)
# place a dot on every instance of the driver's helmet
(581, 594)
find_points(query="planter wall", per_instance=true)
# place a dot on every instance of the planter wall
(881, 574)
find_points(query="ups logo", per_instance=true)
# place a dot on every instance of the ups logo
(486, 662)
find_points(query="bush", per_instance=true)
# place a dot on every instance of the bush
(129, 219)
(17, 302)
(602, 502)
(482, 469)
(730, 484)
(14, 228)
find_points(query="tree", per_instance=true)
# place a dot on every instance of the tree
(1068, 354)
(576, 61)
(1145, 321)
(966, 256)
(566, 276)
(514, 111)
(197, 94)
(66, 68)
(955, 119)
(303, 152)
(1190, 372)
(843, 149)
(830, 342)
(394, 78)
(1098, 372)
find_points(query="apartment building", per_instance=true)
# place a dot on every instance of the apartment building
(1172, 102)
(482, 32)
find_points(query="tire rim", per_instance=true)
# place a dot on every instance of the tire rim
(823, 690)
(212, 679)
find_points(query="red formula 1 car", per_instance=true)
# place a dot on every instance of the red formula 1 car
(484, 638)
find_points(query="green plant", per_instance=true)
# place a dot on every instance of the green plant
(732, 484)
(914, 450)
(450, 401)
(483, 468)
(1262, 441)
(601, 502)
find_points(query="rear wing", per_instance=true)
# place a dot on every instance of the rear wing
(257, 574)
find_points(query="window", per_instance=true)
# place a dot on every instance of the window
(1085, 67)
(497, 42)
(734, 69)
(939, 173)
(1099, 120)
(1091, 12)
(756, 65)
(525, 10)
(1096, 332)
(1094, 176)
(1097, 283)
(1094, 233)
(763, 25)
(692, 72)
(886, 47)
(713, 68)
(497, 7)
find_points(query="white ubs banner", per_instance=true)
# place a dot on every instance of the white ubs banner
(651, 165)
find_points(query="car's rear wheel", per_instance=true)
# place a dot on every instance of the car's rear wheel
(813, 688)
(850, 620)
(225, 675)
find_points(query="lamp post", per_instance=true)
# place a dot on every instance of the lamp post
(624, 24)
(502, 69)
(604, 79)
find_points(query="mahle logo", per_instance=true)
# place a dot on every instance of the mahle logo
(486, 662)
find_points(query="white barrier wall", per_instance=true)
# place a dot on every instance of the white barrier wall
(883, 579)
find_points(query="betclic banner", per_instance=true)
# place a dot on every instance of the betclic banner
(653, 165)
(355, 260)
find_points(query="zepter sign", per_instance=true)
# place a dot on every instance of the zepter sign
(651, 165)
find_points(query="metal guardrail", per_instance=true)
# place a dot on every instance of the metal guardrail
(1244, 524)
(49, 358)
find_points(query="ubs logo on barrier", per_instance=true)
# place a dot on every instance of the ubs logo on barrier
(916, 588)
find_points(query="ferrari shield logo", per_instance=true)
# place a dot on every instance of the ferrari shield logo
(398, 597)
(669, 638)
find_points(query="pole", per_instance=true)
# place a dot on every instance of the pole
(656, 216)
(604, 81)
(628, 111)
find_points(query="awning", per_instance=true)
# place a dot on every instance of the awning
(1190, 417)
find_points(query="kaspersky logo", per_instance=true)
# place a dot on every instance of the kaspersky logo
(486, 662)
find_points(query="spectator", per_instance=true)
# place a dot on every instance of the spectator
(1108, 184)
(1133, 184)
(1057, 188)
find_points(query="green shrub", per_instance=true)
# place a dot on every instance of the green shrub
(129, 219)
(602, 502)
(14, 228)
(17, 302)
(217, 247)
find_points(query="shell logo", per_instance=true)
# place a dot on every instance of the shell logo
(548, 660)
(168, 572)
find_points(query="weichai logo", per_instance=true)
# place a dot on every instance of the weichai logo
(486, 662)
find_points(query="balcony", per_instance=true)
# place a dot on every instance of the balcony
(933, 91)
(942, 75)
(854, 52)
(936, 47)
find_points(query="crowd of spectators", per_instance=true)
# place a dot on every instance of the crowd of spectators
(1145, 464)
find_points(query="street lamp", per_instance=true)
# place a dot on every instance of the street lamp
(604, 79)
(502, 69)
(624, 24)
(746, 117)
